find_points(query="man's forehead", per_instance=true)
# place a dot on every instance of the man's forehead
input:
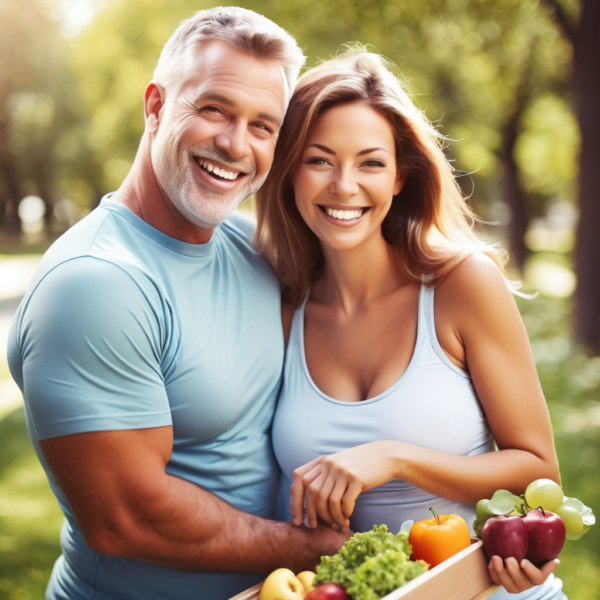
(220, 72)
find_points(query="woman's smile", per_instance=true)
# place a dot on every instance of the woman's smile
(344, 216)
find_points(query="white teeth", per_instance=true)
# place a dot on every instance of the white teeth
(344, 215)
(219, 171)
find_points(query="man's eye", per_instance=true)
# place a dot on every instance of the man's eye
(211, 109)
(263, 127)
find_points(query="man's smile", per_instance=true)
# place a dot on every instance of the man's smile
(217, 171)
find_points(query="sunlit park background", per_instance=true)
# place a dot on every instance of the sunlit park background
(510, 82)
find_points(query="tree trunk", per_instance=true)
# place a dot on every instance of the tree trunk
(587, 93)
(512, 193)
(9, 218)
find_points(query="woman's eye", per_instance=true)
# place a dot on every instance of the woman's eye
(374, 163)
(317, 161)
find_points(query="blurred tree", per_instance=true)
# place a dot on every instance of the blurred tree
(582, 33)
(39, 114)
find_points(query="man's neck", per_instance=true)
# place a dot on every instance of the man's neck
(142, 194)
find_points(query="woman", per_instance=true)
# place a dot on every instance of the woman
(391, 404)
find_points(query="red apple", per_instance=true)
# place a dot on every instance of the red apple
(505, 536)
(546, 535)
(328, 591)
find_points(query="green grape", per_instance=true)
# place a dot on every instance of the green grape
(573, 522)
(482, 512)
(545, 493)
(578, 517)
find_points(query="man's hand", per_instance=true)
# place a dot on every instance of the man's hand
(128, 505)
(517, 578)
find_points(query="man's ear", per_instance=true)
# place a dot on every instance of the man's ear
(399, 183)
(153, 103)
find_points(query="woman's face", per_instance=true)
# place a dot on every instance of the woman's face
(347, 175)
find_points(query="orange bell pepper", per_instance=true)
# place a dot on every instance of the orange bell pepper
(435, 540)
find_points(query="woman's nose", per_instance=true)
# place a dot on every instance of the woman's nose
(344, 185)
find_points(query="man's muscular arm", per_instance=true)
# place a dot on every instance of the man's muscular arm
(127, 505)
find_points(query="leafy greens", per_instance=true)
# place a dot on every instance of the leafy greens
(371, 564)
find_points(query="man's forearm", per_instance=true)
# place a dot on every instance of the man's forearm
(189, 528)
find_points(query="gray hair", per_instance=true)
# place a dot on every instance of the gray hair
(242, 29)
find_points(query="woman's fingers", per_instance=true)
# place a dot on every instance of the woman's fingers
(515, 577)
(538, 576)
(320, 490)
(298, 489)
(335, 504)
(353, 491)
(311, 512)
(500, 575)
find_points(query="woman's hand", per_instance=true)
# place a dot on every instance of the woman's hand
(515, 577)
(332, 483)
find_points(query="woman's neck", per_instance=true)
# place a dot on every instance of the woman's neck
(352, 278)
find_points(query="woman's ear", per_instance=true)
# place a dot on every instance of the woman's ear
(399, 183)
(153, 104)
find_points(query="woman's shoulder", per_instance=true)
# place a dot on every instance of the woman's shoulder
(475, 289)
(476, 274)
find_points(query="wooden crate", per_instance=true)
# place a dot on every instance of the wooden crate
(464, 576)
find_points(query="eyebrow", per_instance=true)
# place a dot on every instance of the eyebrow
(217, 97)
(330, 151)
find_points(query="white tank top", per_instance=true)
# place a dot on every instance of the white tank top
(433, 405)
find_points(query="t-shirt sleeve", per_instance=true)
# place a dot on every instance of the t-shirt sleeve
(91, 341)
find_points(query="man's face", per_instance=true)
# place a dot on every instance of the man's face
(216, 134)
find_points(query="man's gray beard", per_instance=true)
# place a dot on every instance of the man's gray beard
(204, 210)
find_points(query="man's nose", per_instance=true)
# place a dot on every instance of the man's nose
(234, 140)
(344, 184)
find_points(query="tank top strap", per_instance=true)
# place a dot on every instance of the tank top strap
(426, 322)
(296, 331)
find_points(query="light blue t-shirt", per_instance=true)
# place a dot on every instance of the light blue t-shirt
(124, 327)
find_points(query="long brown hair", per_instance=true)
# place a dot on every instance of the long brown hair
(429, 225)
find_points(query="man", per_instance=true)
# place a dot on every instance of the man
(149, 346)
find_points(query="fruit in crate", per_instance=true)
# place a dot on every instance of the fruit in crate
(437, 539)
(546, 535)
(328, 591)
(506, 536)
(306, 578)
(281, 584)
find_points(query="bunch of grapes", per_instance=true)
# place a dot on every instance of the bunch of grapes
(544, 493)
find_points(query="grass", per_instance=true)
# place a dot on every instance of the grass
(30, 519)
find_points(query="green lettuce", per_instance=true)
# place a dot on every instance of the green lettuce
(371, 564)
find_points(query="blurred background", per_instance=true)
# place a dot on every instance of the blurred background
(513, 84)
